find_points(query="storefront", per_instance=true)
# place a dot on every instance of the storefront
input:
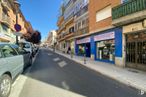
(108, 45)
(83, 47)
(135, 44)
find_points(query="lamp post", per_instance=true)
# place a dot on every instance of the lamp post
(17, 26)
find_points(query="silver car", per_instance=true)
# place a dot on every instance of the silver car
(11, 65)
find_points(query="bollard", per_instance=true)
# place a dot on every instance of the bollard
(84, 58)
(71, 54)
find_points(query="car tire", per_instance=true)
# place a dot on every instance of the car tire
(5, 85)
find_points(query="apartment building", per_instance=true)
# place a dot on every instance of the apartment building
(66, 26)
(8, 20)
(131, 15)
(111, 31)
(51, 39)
(61, 29)
(81, 20)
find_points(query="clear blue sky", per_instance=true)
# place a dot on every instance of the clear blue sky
(41, 13)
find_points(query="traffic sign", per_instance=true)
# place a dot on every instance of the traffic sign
(17, 27)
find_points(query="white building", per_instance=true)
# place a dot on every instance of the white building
(51, 40)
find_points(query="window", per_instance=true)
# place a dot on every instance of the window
(20, 50)
(123, 1)
(79, 25)
(103, 14)
(76, 27)
(5, 28)
(24, 45)
(8, 51)
(106, 50)
(71, 30)
(83, 23)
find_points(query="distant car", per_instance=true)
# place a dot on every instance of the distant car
(28, 47)
(11, 65)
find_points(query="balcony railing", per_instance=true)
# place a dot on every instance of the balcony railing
(5, 19)
(128, 8)
(82, 31)
(82, 11)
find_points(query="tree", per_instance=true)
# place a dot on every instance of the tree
(35, 37)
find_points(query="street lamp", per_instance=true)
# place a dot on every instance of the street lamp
(17, 5)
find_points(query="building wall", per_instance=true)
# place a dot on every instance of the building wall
(94, 7)
(52, 38)
(11, 16)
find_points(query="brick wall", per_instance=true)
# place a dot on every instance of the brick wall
(94, 7)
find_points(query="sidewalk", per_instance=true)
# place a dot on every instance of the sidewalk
(130, 77)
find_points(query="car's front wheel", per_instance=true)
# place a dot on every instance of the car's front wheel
(5, 85)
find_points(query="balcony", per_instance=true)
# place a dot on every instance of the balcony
(82, 31)
(5, 5)
(82, 11)
(131, 11)
(5, 19)
(60, 20)
(66, 36)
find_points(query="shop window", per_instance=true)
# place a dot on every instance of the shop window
(106, 50)
(81, 50)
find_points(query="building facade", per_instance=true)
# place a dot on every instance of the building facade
(66, 26)
(111, 31)
(106, 40)
(51, 40)
(8, 19)
(131, 15)
(81, 20)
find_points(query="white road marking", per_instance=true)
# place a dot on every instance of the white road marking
(56, 59)
(141, 92)
(18, 86)
(65, 86)
(49, 54)
(62, 64)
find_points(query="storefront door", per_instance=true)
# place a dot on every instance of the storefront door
(136, 54)
(88, 51)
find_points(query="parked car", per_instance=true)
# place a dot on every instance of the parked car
(34, 49)
(28, 47)
(11, 65)
(27, 57)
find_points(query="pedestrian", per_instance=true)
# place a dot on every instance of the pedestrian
(69, 50)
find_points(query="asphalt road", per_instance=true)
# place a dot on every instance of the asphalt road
(53, 70)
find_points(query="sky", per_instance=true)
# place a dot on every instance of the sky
(42, 14)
